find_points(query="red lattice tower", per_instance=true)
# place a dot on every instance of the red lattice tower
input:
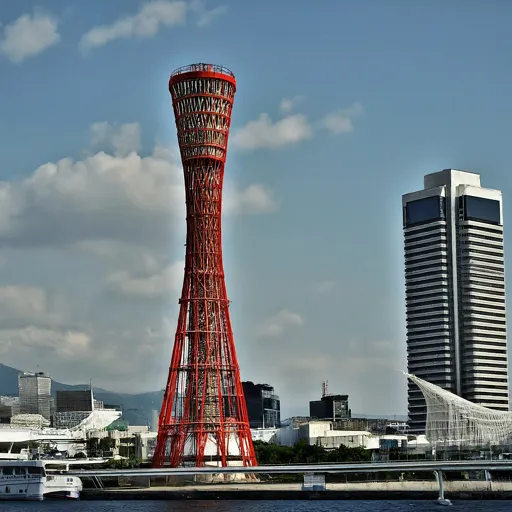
(204, 415)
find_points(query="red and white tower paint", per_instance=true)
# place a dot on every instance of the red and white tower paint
(203, 416)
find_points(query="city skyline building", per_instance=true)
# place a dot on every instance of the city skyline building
(203, 419)
(69, 400)
(330, 407)
(263, 405)
(35, 394)
(455, 291)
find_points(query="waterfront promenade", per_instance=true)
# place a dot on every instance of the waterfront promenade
(147, 483)
(336, 468)
(412, 490)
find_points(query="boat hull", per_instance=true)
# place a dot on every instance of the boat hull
(21, 490)
(29, 481)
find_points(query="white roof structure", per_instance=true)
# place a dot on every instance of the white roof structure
(454, 421)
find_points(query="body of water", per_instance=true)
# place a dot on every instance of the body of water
(250, 506)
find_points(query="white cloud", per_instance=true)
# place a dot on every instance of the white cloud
(253, 199)
(131, 358)
(31, 342)
(292, 128)
(277, 324)
(206, 16)
(122, 139)
(100, 197)
(127, 199)
(28, 36)
(145, 23)
(341, 121)
(20, 304)
(21, 299)
(104, 223)
(148, 285)
(324, 287)
(288, 104)
(265, 133)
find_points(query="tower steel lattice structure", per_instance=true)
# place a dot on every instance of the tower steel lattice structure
(204, 417)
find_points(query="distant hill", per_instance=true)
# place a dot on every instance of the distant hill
(137, 408)
(8, 380)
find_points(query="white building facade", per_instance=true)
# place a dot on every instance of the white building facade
(455, 291)
(35, 394)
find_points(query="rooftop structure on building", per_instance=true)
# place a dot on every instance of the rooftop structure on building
(330, 407)
(455, 291)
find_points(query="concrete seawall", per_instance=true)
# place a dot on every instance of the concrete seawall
(455, 490)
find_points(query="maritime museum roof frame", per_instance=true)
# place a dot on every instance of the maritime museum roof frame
(454, 421)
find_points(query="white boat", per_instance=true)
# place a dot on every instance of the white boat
(61, 485)
(28, 480)
(22, 480)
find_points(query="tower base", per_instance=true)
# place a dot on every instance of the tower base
(216, 478)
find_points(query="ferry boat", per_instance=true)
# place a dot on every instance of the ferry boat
(29, 480)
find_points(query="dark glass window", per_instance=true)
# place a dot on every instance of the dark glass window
(425, 210)
(482, 209)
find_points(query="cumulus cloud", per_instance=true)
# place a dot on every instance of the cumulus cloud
(131, 357)
(265, 133)
(292, 128)
(206, 16)
(31, 325)
(105, 224)
(150, 18)
(34, 342)
(288, 104)
(277, 324)
(22, 300)
(100, 197)
(148, 285)
(123, 139)
(253, 199)
(28, 36)
(341, 121)
(128, 198)
(22, 304)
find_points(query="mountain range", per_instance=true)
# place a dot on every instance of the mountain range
(137, 408)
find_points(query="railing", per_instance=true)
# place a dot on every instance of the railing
(351, 467)
(203, 67)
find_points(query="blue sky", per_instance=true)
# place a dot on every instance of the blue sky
(341, 107)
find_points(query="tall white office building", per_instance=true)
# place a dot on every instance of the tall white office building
(455, 291)
(35, 394)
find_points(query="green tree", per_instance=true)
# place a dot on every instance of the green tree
(303, 453)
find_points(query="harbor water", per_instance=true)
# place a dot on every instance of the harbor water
(250, 506)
